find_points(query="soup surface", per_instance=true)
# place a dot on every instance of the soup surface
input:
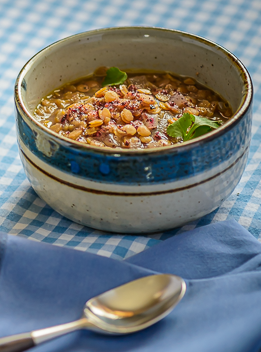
(143, 111)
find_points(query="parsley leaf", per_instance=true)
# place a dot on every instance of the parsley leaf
(114, 76)
(189, 126)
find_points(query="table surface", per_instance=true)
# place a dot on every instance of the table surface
(27, 26)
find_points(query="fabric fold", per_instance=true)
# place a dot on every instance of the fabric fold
(204, 252)
(3, 239)
(43, 285)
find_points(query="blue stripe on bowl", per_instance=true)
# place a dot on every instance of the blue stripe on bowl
(139, 168)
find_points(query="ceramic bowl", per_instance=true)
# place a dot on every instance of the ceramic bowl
(134, 191)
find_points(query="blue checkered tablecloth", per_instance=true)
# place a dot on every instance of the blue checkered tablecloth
(26, 26)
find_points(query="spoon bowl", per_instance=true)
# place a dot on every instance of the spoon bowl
(122, 310)
(135, 305)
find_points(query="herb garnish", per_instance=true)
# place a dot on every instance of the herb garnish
(114, 76)
(189, 126)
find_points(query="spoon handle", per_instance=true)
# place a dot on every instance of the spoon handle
(16, 343)
(22, 342)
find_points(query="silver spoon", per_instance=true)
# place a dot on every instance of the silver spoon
(122, 310)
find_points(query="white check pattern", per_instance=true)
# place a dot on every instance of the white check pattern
(26, 26)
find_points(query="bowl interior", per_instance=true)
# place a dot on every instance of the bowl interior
(133, 48)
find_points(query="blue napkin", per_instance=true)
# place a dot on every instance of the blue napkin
(43, 285)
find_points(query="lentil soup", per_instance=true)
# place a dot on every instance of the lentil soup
(135, 114)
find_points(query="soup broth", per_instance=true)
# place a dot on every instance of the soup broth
(135, 114)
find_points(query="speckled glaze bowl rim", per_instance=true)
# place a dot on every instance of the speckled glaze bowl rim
(244, 106)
